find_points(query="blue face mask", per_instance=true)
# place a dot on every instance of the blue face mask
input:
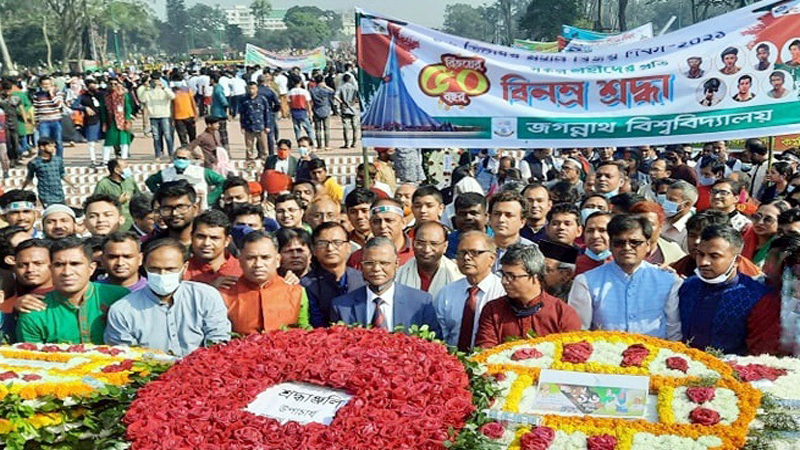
(613, 193)
(706, 181)
(492, 152)
(127, 173)
(670, 208)
(660, 198)
(164, 284)
(602, 256)
(586, 212)
(181, 164)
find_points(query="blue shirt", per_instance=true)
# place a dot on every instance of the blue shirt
(644, 302)
(716, 315)
(197, 317)
(254, 113)
(48, 175)
(219, 103)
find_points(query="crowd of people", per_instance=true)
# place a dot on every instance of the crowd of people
(675, 242)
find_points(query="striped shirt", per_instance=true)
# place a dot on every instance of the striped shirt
(48, 108)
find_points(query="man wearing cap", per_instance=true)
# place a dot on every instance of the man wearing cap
(19, 209)
(386, 219)
(58, 221)
(571, 172)
(559, 268)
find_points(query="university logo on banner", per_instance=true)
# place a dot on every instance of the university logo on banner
(734, 76)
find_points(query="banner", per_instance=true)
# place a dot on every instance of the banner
(315, 59)
(536, 46)
(734, 76)
(587, 46)
(570, 32)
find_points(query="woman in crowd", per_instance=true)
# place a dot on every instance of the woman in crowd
(757, 239)
(778, 177)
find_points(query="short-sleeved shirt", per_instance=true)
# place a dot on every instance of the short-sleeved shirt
(322, 97)
(116, 189)
(64, 323)
(48, 175)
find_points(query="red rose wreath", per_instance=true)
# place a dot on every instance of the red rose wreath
(407, 393)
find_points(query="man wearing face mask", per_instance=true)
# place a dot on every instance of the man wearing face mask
(677, 205)
(678, 168)
(235, 192)
(609, 177)
(716, 304)
(283, 161)
(206, 183)
(120, 185)
(711, 170)
(170, 315)
(595, 236)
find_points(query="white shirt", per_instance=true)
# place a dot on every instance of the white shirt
(449, 305)
(204, 85)
(238, 86)
(283, 84)
(676, 232)
(386, 307)
(225, 82)
(282, 165)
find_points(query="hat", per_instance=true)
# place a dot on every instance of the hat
(55, 208)
(255, 188)
(559, 252)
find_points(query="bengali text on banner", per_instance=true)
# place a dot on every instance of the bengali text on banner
(315, 59)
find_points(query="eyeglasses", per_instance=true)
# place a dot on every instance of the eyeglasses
(768, 220)
(472, 253)
(287, 211)
(177, 209)
(375, 264)
(715, 192)
(323, 244)
(634, 243)
(505, 276)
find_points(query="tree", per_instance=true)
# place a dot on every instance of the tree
(543, 19)
(260, 9)
(235, 36)
(467, 21)
(176, 42)
(310, 26)
(206, 25)
(622, 5)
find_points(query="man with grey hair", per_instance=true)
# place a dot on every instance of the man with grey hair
(526, 308)
(678, 206)
(382, 303)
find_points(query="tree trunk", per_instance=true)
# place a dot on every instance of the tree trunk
(598, 23)
(7, 63)
(623, 5)
(47, 43)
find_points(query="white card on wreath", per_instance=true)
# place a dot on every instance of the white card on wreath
(299, 402)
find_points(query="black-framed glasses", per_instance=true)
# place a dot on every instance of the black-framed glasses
(177, 209)
(322, 244)
(472, 253)
(634, 243)
(505, 276)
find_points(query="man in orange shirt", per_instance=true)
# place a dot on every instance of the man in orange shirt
(185, 112)
(261, 300)
(210, 262)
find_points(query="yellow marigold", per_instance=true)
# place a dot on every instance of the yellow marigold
(665, 397)
(515, 393)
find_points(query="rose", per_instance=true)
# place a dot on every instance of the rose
(493, 430)
(526, 353)
(248, 435)
(704, 416)
(8, 375)
(700, 394)
(634, 355)
(31, 377)
(755, 372)
(577, 353)
(79, 348)
(537, 439)
(27, 346)
(601, 442)
(50, 348)
(677, 363)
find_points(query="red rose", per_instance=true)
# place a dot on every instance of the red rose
(50, 348)
(493, 430)
(31, 377)
(248, 435)
(537, 439)
(526, 353)
(634, 355)
(577, 353)
(499, 376)
(677, 363)
(8, 375)
(27, 346)
(601, 442)
(704, 416)
(79, 348)
(755, 372)
(700, 394)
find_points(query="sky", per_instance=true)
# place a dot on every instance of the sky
(429, 13)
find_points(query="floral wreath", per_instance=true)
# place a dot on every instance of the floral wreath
(407, 393)
(701, 403)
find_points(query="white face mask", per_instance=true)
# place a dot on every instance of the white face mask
(586, 212)
(719, 279)
(164, 284)
(613, 193)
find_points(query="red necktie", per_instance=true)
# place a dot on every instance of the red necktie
(378, 318)
(468, 320)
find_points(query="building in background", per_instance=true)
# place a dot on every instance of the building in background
(242, 16)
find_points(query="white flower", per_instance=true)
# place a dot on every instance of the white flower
(647, 441)
(725, 403)
(786, 386)
(696, 369)
(547, 349)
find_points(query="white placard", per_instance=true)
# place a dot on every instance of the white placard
(299, 402)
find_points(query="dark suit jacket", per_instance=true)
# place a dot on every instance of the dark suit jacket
(321, 287)
(272, 160)
(410, 307)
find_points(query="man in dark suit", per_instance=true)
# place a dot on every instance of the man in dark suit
(283, 161)
(383, 303)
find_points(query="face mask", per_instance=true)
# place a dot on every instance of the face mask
(718, 279)
(602, 256)
(303, 151)
(127, 173)
(181, 164)
(660, 198)
(747, 167)
(670, 208)
(164, 284)
(790, 188)
(706, 181)
(586, 212)
(613, 193)
(283, 154)
(492, 152)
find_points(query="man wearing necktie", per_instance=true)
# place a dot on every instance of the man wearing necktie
(383, 303)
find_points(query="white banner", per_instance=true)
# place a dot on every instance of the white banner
(587, 46)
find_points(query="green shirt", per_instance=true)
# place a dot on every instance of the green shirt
(114, 189)
(64, 323)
